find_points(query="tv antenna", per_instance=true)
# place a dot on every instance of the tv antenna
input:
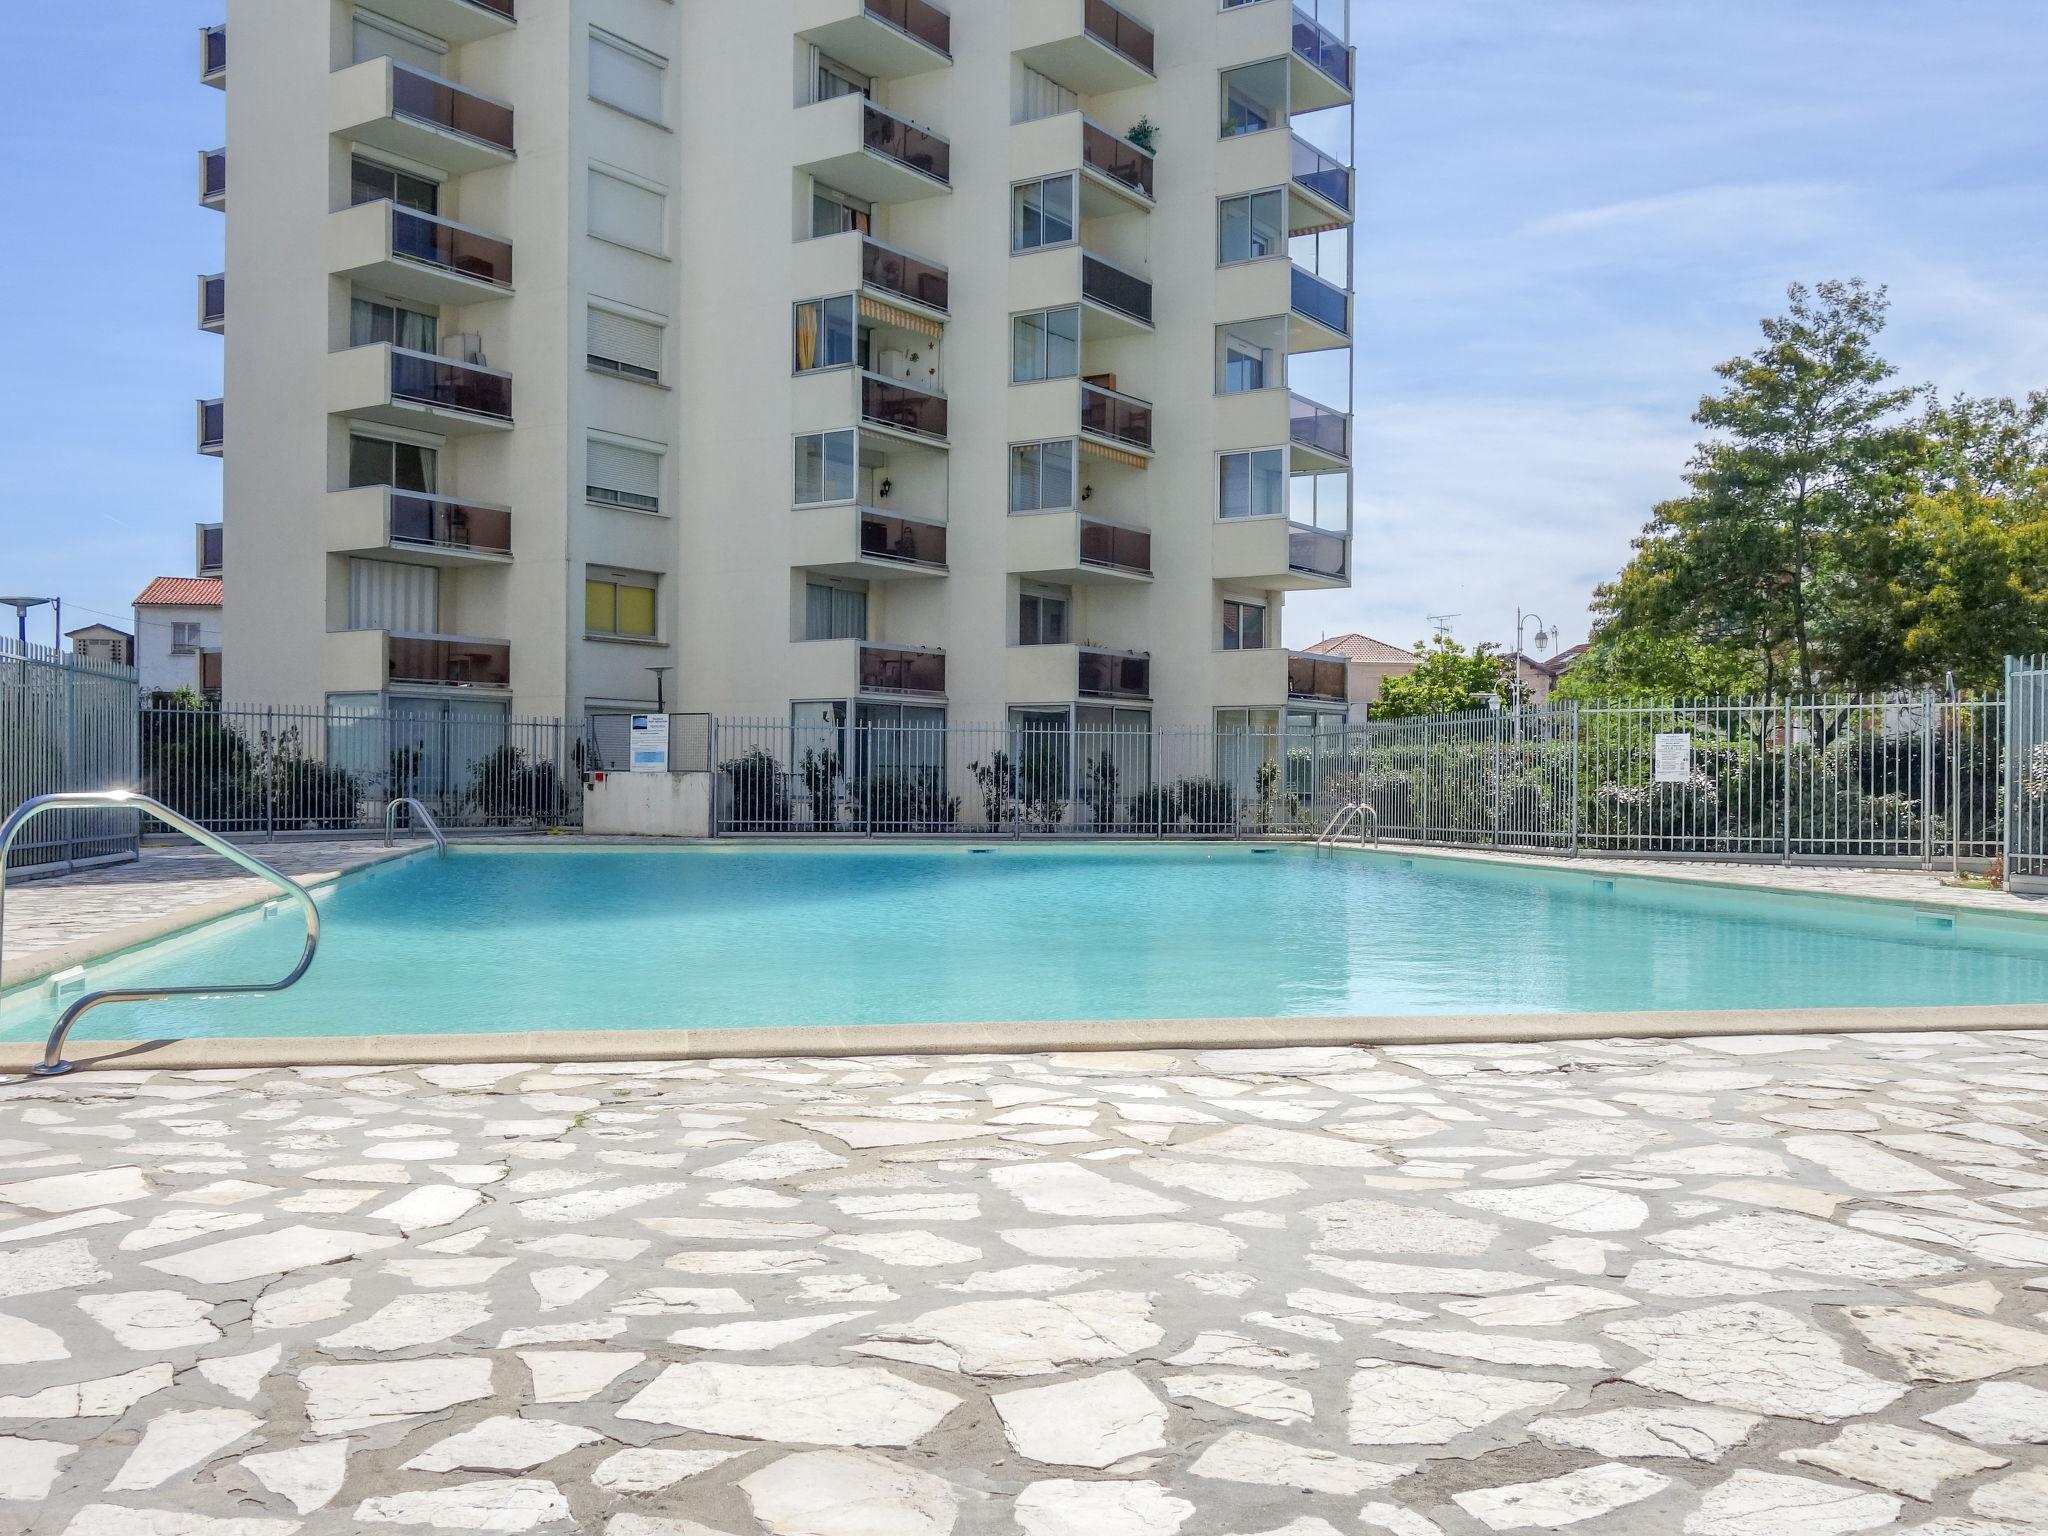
(1442, 623)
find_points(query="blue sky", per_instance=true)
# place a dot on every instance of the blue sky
(1570, 210)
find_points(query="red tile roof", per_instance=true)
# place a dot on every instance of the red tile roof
(181, 592)
(1362, 648)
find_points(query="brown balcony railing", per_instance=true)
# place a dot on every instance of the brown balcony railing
(1120, 418)
(885, 536)
(502, 7)
(1316, 552)
(921, 19)
(443, 104)
(1114, 675)
(1316, 677)
(1115, 547)
(884, 133)
(212, 550)
(902, 407)
(213, 301)
(1124, 292)
(1318, 173)
(1112, 28)
(907, 276)
(213, 174)
(427, 379)
(214, 52)
(1118, 159)
(212, 425)
(1318, 427)
(440, 523)
(1321, 47)
(898, 669)
(452, 247)
(447, 661)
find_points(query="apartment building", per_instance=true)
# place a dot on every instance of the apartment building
(815, 361)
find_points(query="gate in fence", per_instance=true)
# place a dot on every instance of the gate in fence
(66, 722)
(2026, 784)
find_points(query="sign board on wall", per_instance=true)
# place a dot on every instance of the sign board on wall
(650, 744)
(1674, 758)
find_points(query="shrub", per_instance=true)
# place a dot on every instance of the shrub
(759, 794)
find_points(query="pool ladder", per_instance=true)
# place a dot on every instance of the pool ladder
(424, 816)
(53, 1063)
(1357, 811)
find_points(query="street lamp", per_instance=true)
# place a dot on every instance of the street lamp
(21, 606)
(660, 698)
(1544, 635)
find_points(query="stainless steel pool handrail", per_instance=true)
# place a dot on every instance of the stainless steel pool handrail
(1367, 816)
(53, 1063)
(425, 816)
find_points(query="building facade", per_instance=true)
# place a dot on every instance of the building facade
(815, 361)
(178, 635)
(103, 642)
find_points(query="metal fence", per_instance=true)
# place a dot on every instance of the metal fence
(66, 722)
(2026, 787)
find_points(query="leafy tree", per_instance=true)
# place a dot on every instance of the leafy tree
(1449, 681)
(1634, 664)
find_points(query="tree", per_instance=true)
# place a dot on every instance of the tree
(1633, 664)
(1449, 681)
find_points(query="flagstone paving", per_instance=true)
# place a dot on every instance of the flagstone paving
(1740, 1287)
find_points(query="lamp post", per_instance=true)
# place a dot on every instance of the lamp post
(660, 697)
(1544, 635)
(21, 606)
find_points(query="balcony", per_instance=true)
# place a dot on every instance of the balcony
(895, 406)
(1075, 549)
(1323, 179)
(209, 673)
(884, 38)
(897, 274)
(865, 543)
(1061, 674)
(1271, 677)
(213, 56)
(1319, 312)
(412, 255)
(453, 21)
(213, 303)
(1113, 159)
(212, 427)
(900, 669)
(1118, 295)
(1089, 46)
(866, 150)
(1113, 674)
(372, 660)
(404, 111)
(431, 530)
(1116, 175)
(402, 388)
(1317, 679)
(1277, 555)
(1319, 437)
(1320, 59)
(213, 179)
(1112, 417)
(212, 550)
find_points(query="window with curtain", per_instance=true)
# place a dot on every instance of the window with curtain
(403, 466)
(184, 637)
(1043, 615)
(627, 76)
(620, 603)
(1045, 345)
(834, 213)
(378, 37)
(1252, 484)
(826, 467)
(1244, 625)
(1254, 97)
(1251, 354)
(371, 321)
(1042, 213)
(1033, 96)
(824, 334)
(369, 182)
(619, 476)
(833, 612)
(1042, 476)
(390, 595)
(627, 213)
(1250, 228)
(623, 345)
(833, 79)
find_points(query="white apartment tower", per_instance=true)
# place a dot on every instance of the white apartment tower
(824, 360)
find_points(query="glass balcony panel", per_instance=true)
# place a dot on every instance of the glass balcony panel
(1114, 546)
(212, 547)
(445, 524)
(921, 19)
(1118, 159)
(447, 661)
(441, 381)
(216, 52)
(1322, 47)
(898, 272)
(904, 142)
(1113, 675)
(1112, 28)
(1115, 288)
(1319, 428)
(213, 301)
(212, 423)
(888, 669)
(1118, 417)
(444, 104)
(438, 243)
(214, 179)
(886, 537)
(1316, 551)
(1322, 302)
(904, 407)
(1316, 677)
(1327, 178)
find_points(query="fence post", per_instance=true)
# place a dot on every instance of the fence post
(1785, 774)
(269, 773)
(1575, 715)
(1927, 735)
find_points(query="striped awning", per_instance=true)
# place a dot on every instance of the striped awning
(872, 308)
(1115, 455)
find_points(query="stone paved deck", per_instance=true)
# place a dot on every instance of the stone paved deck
(1748, 1287)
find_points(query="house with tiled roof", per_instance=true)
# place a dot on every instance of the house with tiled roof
(1370, 662)
(177, 635)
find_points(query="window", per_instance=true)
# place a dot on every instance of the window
(1034, 96)
(834, 79)
(824, 334)
(1244, 625)
(628, 212)
(1043, 614)
(1251, 354)
(378, 37)
(392, 595)
(1042, 475)
(1045, 345)
(1251, 227)
(619, 476)
(834, 213)
(403, 466)
(1254, 97)
(1042, 213)
(184, 638)
(627, 77)
(372, 320)
(835, 612)
(623, 345)
(369, 181)
(1252, 484)
(825, 468)
(619, 603)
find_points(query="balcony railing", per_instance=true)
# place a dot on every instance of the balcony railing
(213, 53)
(1317, 552)
(447, 661)
(899, 139)
(213, 175)
(1117, 158)
(436, 522)
(209, 672)
(1321, 47)
(1121, 418)
(1113, 675)
(212, 425)
(503, 7)
(1114, 547)
(212, 550)
(1316, 677)
(902, 407)
(1318, 427)
(442, 103)
(907, 276)
(1113, 287)
(452, 247)
(213, 301)
(426, 379)
(885, 536)
(1113, 29)
(1316, 172)
(1323, 302)
(919, 19)
(901, 669)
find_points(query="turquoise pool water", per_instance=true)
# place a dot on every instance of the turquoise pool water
(489, 941)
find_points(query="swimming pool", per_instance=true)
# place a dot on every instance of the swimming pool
(498, 941)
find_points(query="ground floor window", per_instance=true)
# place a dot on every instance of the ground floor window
(1087, 761)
